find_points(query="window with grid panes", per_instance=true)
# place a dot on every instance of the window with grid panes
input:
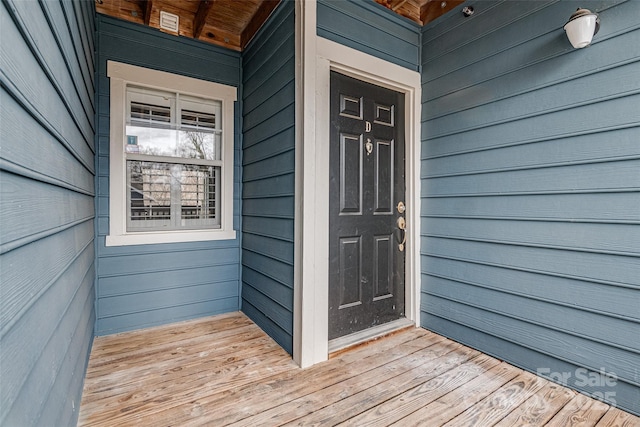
(174, 159)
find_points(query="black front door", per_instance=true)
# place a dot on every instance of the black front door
(366, 206)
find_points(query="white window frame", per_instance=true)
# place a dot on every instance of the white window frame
(120, 76)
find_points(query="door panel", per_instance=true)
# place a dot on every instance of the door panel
(383, 176)
(350, 174)
(383, 262)
(366, 265)
(351, 271)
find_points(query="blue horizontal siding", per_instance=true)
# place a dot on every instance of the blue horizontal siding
(614, 301)
(146, 285)
(281, 272)
(619, 239)
(542, 100)
(40, 153)
(574, 150)
(611, 114)
(605, 207)
(168, 313)
(21, 223)
(586, 177)
(47, 257)
(531, 189)
(558, 262)
(496, 346)
(268, 176)
(147, 300)
(177, 55)
(370, 28)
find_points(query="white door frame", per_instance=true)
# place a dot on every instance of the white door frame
(315, 58)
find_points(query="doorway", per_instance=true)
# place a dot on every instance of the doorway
(366, 206)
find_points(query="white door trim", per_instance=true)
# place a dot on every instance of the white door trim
(316, 58)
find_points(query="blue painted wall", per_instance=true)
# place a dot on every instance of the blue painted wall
(370, 28)
(268, 184)
(531, 189)
(146, 285)
(46, 205)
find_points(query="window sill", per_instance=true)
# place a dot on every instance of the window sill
(151, 238)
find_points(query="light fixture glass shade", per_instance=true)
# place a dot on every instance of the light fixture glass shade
(581, 28)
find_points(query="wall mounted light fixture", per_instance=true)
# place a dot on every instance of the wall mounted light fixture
(581, 27)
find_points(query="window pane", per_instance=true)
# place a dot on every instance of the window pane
(153, 128)
(151, 141)
(200, 121)
(149, 107)
(150, 115)
(166, 196)
(198, 188)
(149, 195)
(200, 114)
(199, 145)
(173, 143)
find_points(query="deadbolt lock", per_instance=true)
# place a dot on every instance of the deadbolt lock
(401, 208)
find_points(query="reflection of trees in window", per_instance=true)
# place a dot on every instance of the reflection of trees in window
(194, 145)
(198, 137)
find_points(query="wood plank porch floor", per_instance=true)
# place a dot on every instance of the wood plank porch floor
(224, 370)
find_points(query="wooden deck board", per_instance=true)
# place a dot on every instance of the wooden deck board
(224, 370)
(447, 407)
(294, 387)
(413, 399)
(372, 369)
(501, 402)
(581, 411)
(344, 400)
(540, 407)
(295, 383)
(617, 418)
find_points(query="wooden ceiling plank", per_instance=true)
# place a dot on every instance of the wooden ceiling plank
(129, 11)
(220, 37)
(201, 17)
(234, 23)
(147, 6)
(396, 4)
(432, 9)
(410, 9)
(259, 18)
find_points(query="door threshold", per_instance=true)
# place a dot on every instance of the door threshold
(370, 334)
